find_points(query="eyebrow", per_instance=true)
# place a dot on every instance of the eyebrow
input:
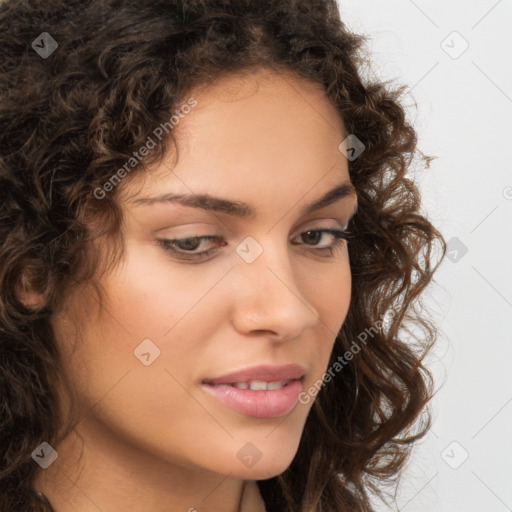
(241, 209)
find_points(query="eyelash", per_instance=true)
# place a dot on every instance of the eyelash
(341, 237)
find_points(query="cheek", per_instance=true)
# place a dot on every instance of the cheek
(328, 288)
(151, 406)
(145, 309)
(330, 292)
(151, 296)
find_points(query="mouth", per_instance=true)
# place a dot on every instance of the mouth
(256, 398)
(256, 385)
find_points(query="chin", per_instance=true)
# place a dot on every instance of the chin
(274, 462)
(261, 471)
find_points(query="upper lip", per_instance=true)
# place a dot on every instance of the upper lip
(265, 373)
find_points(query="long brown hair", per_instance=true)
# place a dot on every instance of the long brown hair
(72, 116)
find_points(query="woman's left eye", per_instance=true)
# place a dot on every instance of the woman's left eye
(182, 248)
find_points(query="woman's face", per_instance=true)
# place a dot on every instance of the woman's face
(267, 293)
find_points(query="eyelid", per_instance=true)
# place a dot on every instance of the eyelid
(200, 232)
(341, 237)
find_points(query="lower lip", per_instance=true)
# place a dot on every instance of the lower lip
(260, 404)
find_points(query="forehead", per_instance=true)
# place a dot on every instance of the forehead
(256, 130)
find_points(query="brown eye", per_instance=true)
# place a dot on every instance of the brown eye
(314, 235)
(181, 247)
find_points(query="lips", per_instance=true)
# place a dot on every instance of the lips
(261, 391)
(262, 373)
(259, 404)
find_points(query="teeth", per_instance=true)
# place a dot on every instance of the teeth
(276, 385)
(260, 385)
(241, 385)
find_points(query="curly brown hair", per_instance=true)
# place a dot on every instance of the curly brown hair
(69, 120)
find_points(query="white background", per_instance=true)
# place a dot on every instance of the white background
(463, 117)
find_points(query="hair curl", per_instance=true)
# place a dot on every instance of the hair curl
(68, 121)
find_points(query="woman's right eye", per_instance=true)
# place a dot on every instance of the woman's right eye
(189, 244)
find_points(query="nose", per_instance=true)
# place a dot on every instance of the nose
(268, 299)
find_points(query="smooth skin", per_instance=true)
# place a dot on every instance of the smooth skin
(154, 440)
